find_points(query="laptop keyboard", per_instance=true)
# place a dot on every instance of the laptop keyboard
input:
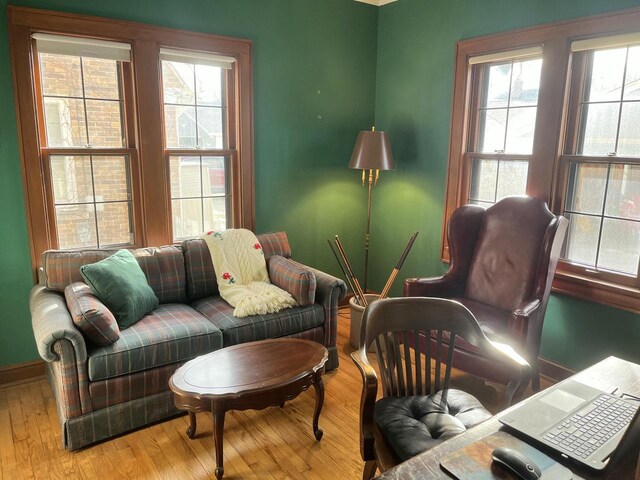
(585, 431)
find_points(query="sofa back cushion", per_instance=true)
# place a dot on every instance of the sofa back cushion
(201, 277)
(163, 267)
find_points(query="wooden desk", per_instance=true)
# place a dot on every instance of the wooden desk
(605, 375)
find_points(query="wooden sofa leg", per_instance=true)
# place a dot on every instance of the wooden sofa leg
(369, 470)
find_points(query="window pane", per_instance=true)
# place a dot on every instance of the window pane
(180, 126)
(512, 179)
(76, 226)
(185, 177)
(105, 123)
(623, 194)
(215, 214)
(620, 245)
(525, 82)
(65, 121)
(520, 130)
(632, 80)
(492, 130)
(210, 127)
(600, 122)
(496, 92)
(114, 223)
(629, 136)
(586, 187)
(100, 78)
(178, 83)
(71, 178)
(60, 75)
(111, 175)
(209, 85)
(484, 175)
(187, 218)
(606, 76)
(213, 176)
(582, 238)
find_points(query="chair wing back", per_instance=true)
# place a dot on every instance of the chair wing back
(402, 330)
(515, 235)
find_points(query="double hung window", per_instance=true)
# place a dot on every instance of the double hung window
(84, 140)
(196, 140)
(504, 115)
(602, 159)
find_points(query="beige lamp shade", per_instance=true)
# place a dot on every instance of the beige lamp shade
(372, 152)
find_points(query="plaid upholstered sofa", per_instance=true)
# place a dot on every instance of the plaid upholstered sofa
(104, 391)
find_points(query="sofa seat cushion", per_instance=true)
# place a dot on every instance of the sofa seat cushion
(258, 327)
(414, 424)
(169, 334)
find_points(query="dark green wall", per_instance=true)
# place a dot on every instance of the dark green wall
(314, 87)
(416, 41)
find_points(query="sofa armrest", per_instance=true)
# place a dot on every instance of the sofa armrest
(52, 322)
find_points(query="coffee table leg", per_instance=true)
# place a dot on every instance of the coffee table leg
(318, 385)
(191, 431)
(218, 430)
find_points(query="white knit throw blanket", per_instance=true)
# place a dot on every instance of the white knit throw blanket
(241, 271)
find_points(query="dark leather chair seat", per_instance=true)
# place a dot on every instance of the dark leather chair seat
(414, 424)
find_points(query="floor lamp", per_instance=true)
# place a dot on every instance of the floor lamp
(373, 153)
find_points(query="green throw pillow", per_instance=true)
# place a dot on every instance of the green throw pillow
(119, 282)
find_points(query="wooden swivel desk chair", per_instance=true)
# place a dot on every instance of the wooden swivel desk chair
(418, 412)
(503, 260)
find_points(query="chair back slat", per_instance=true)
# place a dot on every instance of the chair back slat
(449, 363)
(427, 362)
(384, 369)
(438, 357)
(399, 365)
(391, 363)
(407, 363)
(417, 348)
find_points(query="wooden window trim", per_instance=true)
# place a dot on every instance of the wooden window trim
(144, 126)
(548, 166)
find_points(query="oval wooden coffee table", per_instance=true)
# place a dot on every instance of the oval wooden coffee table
(252, 376)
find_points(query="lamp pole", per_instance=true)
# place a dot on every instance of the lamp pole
(366, 235)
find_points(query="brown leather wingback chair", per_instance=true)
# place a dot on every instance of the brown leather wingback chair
(503, 259)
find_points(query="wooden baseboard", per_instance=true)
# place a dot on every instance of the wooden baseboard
(21, 372)
(554, 371)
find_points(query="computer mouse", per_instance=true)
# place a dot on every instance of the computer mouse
(516, 463)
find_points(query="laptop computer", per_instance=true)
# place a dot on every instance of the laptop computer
(581, 423)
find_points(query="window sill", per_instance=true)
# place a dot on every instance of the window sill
(598, 291)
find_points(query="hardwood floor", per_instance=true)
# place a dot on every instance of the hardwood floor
(268, 444)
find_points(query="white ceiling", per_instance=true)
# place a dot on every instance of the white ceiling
(377, 3)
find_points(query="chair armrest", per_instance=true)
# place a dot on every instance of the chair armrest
(52, 322)
(523, 323)
(519, 370)
(442, 287)
(367, 403)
